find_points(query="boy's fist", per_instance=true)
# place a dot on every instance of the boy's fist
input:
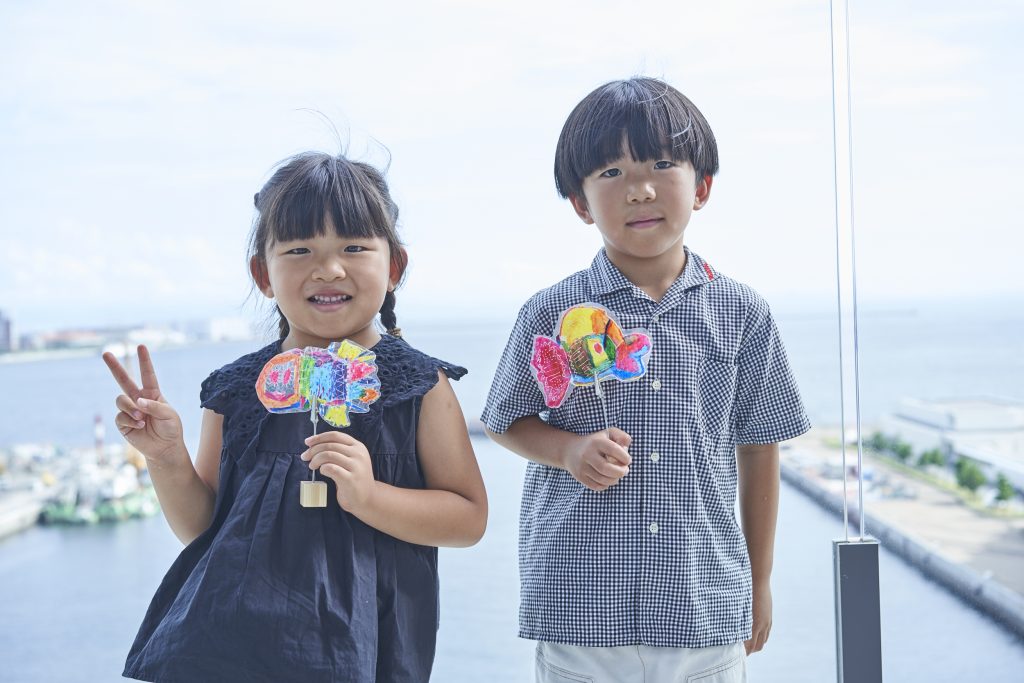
(600, 460)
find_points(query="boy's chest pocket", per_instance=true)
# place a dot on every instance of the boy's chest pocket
(716, 383)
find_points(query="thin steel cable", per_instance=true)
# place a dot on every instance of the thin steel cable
(839, 293)
(844, 34)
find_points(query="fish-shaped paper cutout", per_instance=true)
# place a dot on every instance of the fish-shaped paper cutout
(340, 380)
(588, 347)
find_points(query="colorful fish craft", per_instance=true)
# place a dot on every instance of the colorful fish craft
(337, 381)
(588, 347)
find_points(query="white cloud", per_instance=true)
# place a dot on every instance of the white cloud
(133, 137)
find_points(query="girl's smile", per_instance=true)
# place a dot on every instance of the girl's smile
(329, 287)
(329, 301)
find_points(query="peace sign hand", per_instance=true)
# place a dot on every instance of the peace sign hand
(145, 419)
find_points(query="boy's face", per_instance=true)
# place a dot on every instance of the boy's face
(641, 207)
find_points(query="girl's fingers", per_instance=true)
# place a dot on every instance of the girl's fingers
(332, 472)
(125, 423)
(121, 375)
(330, 437)
(126, 405)
(157, 409)
(146, 371)
(342, 460)
(334, 447)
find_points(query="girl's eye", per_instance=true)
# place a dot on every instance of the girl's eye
(611, 173)
(355, 248)
(298, 250)
(664, 164)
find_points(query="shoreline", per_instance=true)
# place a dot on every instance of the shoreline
(983, 567)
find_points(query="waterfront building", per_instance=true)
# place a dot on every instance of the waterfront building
(989, 431)
(6, 340)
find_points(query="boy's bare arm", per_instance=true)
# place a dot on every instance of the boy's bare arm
(758, 466)
(596, 460)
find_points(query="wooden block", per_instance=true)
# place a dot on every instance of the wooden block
(313, 494)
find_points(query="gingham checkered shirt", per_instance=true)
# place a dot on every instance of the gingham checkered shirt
(658, 559)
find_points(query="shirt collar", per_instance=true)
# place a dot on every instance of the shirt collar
(606, 278)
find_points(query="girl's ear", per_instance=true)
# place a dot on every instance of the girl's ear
(579, 204)
(399, 260)
(258, 270)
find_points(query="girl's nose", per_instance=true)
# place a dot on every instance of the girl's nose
(329, 269)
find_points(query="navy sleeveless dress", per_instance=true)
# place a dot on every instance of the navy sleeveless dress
(276, 592)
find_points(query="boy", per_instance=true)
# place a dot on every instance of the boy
(633, 566)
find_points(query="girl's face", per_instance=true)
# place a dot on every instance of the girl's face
(328, 287)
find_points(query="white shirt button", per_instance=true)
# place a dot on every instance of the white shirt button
(653, 527)
(655, 456)
(656, 317)
(656, 384)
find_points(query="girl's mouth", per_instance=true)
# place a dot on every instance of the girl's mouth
(328, 300)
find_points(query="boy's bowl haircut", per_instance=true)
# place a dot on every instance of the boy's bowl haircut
(656, 120)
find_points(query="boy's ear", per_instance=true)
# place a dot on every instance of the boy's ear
(399, 261)
(258, 270)
(579, 204)
(703, 193)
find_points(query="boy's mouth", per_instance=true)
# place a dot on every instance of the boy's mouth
(644, 222)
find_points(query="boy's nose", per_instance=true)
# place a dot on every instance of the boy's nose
(640, 192)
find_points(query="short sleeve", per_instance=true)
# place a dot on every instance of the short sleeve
(768, 404)
(407, 373)
(514, 392)
(212, 393)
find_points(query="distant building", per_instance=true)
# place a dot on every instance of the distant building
(6, 341)
(988, 431)
(220, 329)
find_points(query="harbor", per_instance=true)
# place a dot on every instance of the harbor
(977, 555)
(40, 484)
(104, 574)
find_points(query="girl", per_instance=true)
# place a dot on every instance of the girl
(267, 590)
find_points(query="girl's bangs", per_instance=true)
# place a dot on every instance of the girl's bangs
(328, 194)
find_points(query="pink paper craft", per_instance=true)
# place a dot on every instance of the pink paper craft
(588, 347)
(338, 380)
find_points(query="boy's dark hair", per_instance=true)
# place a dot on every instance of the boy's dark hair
(308, 189)
(657, 121)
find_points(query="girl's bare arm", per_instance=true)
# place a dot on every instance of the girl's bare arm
(450, 511)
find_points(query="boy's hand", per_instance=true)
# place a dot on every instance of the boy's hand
(762, 618)
(345, 460)
(600, 460)
(145, 419)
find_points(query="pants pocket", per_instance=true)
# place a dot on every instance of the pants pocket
(549, 673)
(732, 671)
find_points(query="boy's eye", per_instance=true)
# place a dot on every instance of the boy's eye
(298, 250)
(611, 173)
(664, 164)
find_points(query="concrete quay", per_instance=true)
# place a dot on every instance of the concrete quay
(978, 557)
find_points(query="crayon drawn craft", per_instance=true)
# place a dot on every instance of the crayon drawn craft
(588, 347)
(331, 383)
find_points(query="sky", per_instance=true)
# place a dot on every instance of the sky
(133, 136)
